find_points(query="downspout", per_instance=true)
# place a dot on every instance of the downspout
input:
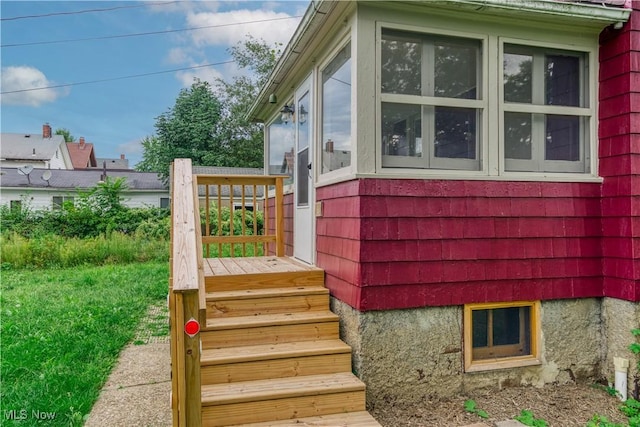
(622, 367)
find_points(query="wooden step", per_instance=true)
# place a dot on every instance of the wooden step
(350, 419)
(281, 399)
(274, 361)
(264, 280)
(269, 329)
(230, 274)
(267, 301)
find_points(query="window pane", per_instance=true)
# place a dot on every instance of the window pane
(562, 80)
(280, 146)
(562, 138)
(455, 135)
(303, 172)
(401, 63)
(517, 136)
(456, 68)
(506, 326)
(480, 319)
(517, 77)
(336, 112)
(401, 130)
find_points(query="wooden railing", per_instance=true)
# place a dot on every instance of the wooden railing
(236, 215)
(197, 208)
(186, 295)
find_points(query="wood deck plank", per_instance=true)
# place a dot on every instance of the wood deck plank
(269, 304)
(270, 335)
(217, 267)
(282, 409)
(263, 280)
(233, 267)
(248, 265)
(349, 419)
(267, 292)
(276, 319)
(268, 369)
(273, 351)
(280, 388)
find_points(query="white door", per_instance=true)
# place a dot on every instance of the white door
(303, 218)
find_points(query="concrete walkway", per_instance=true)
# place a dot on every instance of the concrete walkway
(138, 390)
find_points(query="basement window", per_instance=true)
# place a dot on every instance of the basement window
(501, 335)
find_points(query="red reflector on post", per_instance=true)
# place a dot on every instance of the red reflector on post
(192, 327)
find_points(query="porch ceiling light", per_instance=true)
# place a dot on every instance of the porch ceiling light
(287, 113)
(302, 114)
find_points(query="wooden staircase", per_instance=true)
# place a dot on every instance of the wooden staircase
(271, 353)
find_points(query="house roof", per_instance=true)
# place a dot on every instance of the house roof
(20, 146)
(82, 155)
(112, 164)
(237, 189)
(77, 179)
(222, 170)
(322, 13)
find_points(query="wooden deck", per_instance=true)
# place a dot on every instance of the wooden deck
(236, 274)
(267, 347)
(221, 267)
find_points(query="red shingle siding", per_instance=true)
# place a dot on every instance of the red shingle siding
(288, 224)
(619, 113)
(426, 242)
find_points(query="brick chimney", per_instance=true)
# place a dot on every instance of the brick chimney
(46, 130)
(329, 146)
(81, 142)
(121, 156)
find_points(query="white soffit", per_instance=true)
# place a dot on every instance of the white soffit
(585, 12)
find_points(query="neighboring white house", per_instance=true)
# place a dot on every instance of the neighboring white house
(47, 189)
(45, 151)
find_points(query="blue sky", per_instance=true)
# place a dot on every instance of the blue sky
(115, 115)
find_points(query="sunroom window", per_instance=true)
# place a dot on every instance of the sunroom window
(546, 114)
(431, 97)
(336, 112)
(280, 146)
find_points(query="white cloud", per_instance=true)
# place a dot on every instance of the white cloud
(177, 55)
(263, 26)
(208, 74)
(17, 78)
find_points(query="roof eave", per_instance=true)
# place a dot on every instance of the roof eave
(600, 14)
(312, 18)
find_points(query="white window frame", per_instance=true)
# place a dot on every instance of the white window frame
(538, 165)
(429, 103)
(347, 171)
(492, 108)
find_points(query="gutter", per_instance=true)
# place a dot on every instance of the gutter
(599, 13)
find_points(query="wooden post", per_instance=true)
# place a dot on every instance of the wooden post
(279, 217)
(191, 355)
(187, 287)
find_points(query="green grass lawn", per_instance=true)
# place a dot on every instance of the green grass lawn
(62, 331)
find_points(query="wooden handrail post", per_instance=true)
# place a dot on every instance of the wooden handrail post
(191, 351)
(279, 216)
(186, 291)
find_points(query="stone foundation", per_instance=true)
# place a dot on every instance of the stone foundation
(618, 318)
(416, 354)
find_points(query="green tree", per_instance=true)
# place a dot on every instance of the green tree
(66, 134)
(245, 138)
(209, 124)
(155, 155)
(189, 129)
